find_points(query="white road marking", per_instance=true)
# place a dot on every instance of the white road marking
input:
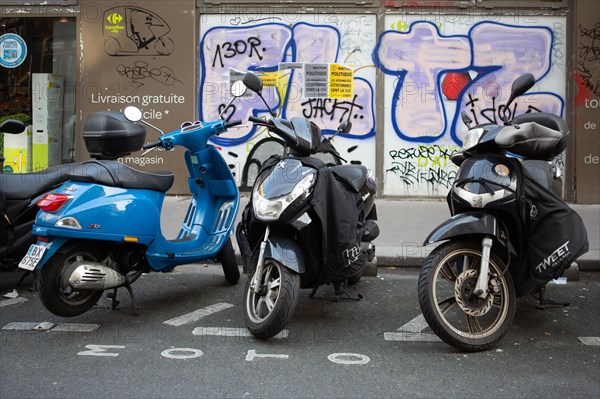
(172, 353)
(253, 355)
(100, 350)
(231, 332)
(349, 358)
(13, 301)
(411, 337)
(412, 332)
(47, 326)
(416, 325)
(591, 341)
(197, 314)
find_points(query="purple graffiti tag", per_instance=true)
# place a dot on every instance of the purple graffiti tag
(501, 53)
(320, 44)
(227, 49)
(419, 57)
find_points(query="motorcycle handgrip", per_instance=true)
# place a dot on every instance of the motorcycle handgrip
(151, 145)
(257, 120)
(233, 123)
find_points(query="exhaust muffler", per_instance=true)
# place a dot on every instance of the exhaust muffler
(95, 276)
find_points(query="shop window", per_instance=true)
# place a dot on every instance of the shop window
(38, 67)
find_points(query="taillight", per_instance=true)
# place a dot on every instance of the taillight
(52, 202)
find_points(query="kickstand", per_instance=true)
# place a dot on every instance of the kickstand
(544, 303)
(314, 291)
(343, 296)
(113, 297)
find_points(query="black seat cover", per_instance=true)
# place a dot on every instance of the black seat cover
(355, 175)
(16, 186)
(116, 174)
(532, 140)
(551, 121)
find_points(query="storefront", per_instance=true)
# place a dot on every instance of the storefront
(38, 79)
(176, 59)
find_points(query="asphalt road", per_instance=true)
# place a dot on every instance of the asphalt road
(333, 349)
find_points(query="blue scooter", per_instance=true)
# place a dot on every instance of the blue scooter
(101, 229)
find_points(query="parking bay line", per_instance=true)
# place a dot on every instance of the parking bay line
(12, 301)
(46, 326)
(412, 332)
(231, 332)
(197, 314)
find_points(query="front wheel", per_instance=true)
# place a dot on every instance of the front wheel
(53, 282)
(272, 307)
(454, 313)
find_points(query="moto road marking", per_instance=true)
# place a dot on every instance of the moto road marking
(412, 332)
(100, 350)
(12, 301)
(180, 353)
(253, 355)
(231, 332)
(46, 326)
(197, 314)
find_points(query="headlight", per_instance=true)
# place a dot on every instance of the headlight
(271, 209)
(472, 138)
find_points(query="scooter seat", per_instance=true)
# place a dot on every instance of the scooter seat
(354, 175)
(116, 174)
(17, 186)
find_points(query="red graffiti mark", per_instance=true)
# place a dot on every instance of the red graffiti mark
(583, 91)
(453, 83)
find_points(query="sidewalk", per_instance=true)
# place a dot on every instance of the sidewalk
(404, 225)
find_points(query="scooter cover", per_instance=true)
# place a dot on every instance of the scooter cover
(556, 235)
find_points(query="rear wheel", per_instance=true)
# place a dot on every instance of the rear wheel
(229, 263)
(54, 289)
(272, 307)
(452, 310)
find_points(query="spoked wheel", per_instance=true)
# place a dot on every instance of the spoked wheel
(452, 310)
(54, 289)
(272, 307)
(229, 263)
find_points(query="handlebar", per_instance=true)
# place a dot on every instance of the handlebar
(258, 121)
(152, 145)
(233, 123)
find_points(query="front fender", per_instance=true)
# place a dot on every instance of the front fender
(285, 251)
(465, 224)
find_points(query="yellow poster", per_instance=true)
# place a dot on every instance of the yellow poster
(341, 81)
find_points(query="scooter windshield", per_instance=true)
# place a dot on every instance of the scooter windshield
(282, 178)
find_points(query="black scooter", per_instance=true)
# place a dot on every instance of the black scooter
(309, 223)
(510, 232)
(18, 195)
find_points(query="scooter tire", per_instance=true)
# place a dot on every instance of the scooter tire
(454, 313)
(229, 263)
(282, 299)
(54, 292)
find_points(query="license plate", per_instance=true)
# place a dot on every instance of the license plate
(33, 257)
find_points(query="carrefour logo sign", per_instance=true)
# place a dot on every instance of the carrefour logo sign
(13, 50)
(114, 19)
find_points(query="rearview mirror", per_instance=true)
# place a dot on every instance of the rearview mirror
(345, 127)
(238, 88)
(133, 113)
(521, 85)
(253, 82)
